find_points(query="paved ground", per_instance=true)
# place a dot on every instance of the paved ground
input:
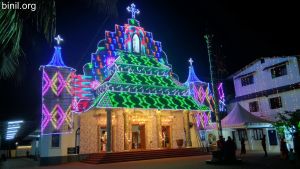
(253, 160)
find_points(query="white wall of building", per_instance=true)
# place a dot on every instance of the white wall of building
(263, 79)
(290, 102)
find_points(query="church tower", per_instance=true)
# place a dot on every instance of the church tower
(57, 94)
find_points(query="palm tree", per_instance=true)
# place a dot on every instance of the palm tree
(42, 20)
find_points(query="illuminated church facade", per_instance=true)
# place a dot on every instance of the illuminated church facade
(127, 99)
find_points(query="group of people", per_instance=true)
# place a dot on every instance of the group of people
(226, 148)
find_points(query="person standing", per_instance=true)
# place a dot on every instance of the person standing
(243, 147)
(263, 143)
(283, 149)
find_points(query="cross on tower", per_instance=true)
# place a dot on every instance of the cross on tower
(191, 61)
(58, 39)
(133, 10)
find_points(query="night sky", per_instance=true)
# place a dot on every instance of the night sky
(246, 31)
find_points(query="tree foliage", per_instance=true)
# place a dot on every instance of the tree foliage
(42, 20)
(289, 121)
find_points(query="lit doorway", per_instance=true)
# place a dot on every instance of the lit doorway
(138, 137)
(103, 139)
(166, 135)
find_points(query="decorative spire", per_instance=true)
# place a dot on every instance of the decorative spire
(57, 58)
(192, 76)
(133, 10)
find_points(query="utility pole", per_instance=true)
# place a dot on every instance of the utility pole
(213, 81)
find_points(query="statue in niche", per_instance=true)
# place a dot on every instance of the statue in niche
(136, 43)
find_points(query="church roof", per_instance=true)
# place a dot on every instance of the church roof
(112, 99)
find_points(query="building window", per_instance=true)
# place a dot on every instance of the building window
(242, 134)
(279, 71)
(55, 141)
(257, 134)
(247, 80)
(275, 103)
(253, 106)
(136, 43)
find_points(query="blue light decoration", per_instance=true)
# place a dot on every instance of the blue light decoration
(56, 58)
(12, 129)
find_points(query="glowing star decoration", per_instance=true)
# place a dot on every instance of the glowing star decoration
(133, 10)
(58, 39)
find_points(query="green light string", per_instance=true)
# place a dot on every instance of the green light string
(183, 104)
(162, 81)
(125, 100)
(135, 61)
(159, 101)
(154, 100)
(148, 105)
(124, 60)
(113, 100)
(170, 101)
(136, 79)
(132, 104)
(146, 61)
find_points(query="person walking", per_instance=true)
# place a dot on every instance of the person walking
(243, 147)
(263, 143)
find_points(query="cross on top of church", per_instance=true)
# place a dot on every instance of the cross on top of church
(58, 39)
(191, 61)
(133, 10)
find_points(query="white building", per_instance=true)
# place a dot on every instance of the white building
(268, 86)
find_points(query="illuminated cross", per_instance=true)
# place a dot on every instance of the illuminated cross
(191, 61)
(58, 39)
(133, 10)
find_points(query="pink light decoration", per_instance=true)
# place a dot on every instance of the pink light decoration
(61, 84)
(110, 61)
(46, 83)
(62, 116)
(46, 117)
(220, 91)
(57, 117)
(202, 94)
(95, 84)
